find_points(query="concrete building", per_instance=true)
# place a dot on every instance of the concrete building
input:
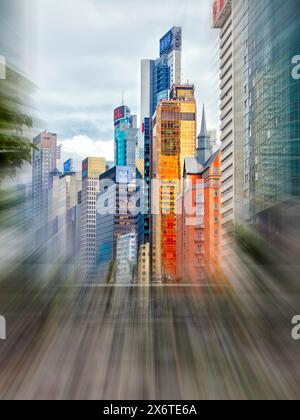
(92, 168)
(144, 265)
(44, 161)
(62, 210)
(174, 139)
(228, 17)
(126, 259)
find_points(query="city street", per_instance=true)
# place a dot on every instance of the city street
(146, 343)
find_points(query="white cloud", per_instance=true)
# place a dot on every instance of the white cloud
(80, 147)
(84, 53)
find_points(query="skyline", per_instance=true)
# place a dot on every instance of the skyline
(79, 109)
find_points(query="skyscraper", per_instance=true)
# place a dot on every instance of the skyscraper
(125, 126)
(158, 76)
(62, 210)
(44, 162)
(117, 191)
(126, 259)
(92, 168)
(173, 139)
(228, 17)
(272, 120)
(171, 48)
(260, 116)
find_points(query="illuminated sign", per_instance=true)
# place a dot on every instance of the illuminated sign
(119, 113)
(68, 166)
(221, 11)
(85, 167)
(166, 43)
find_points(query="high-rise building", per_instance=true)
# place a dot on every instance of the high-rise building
(272, 120)
(62, 213)
(171, 47)
(126, 132)
(173, 139)
(92, 168)
(157, 79)
(228, 17)
(117, 192)
(158, 76)
(144, 265)
(126, 259)
(44, 162)
(148, 96)
(260, 116)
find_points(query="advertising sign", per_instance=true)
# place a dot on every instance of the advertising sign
(220, 7)
(166, 43)
(68, 166)
(119, 113)
(85, 167)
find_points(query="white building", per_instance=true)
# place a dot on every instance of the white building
(229, 20)
(92, 168)
(44, 159)
(126, 259)
(62, 210)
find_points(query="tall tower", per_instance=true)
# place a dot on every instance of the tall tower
(158, 76)
(171, 48)
(92, 168)
(126, 132)
(228, 18)
(174, 139)
(204, 149)
(117, 189)
(43, 166)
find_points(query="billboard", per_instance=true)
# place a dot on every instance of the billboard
(119, 113)
(85, 168)
(68, 166)
(166, 43)
(221, 8)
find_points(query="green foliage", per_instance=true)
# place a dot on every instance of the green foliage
(15, 147)
(252, 244)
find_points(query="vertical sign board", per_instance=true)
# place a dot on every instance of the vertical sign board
(218, 7)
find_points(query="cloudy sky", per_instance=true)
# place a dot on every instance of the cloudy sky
(84, 53)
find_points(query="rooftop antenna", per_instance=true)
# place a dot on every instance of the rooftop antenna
(123, 97)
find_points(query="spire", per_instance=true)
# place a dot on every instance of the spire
(203, 132)
(204, 150)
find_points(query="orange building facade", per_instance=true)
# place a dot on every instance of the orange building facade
(199, 221)
(174, 131)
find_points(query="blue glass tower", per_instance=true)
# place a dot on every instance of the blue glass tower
(126, 132)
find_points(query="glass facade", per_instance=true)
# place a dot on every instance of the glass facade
(272, 108)
(115, 222)
(125, 136)
(174, 139)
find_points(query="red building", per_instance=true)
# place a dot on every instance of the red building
(199, 214)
